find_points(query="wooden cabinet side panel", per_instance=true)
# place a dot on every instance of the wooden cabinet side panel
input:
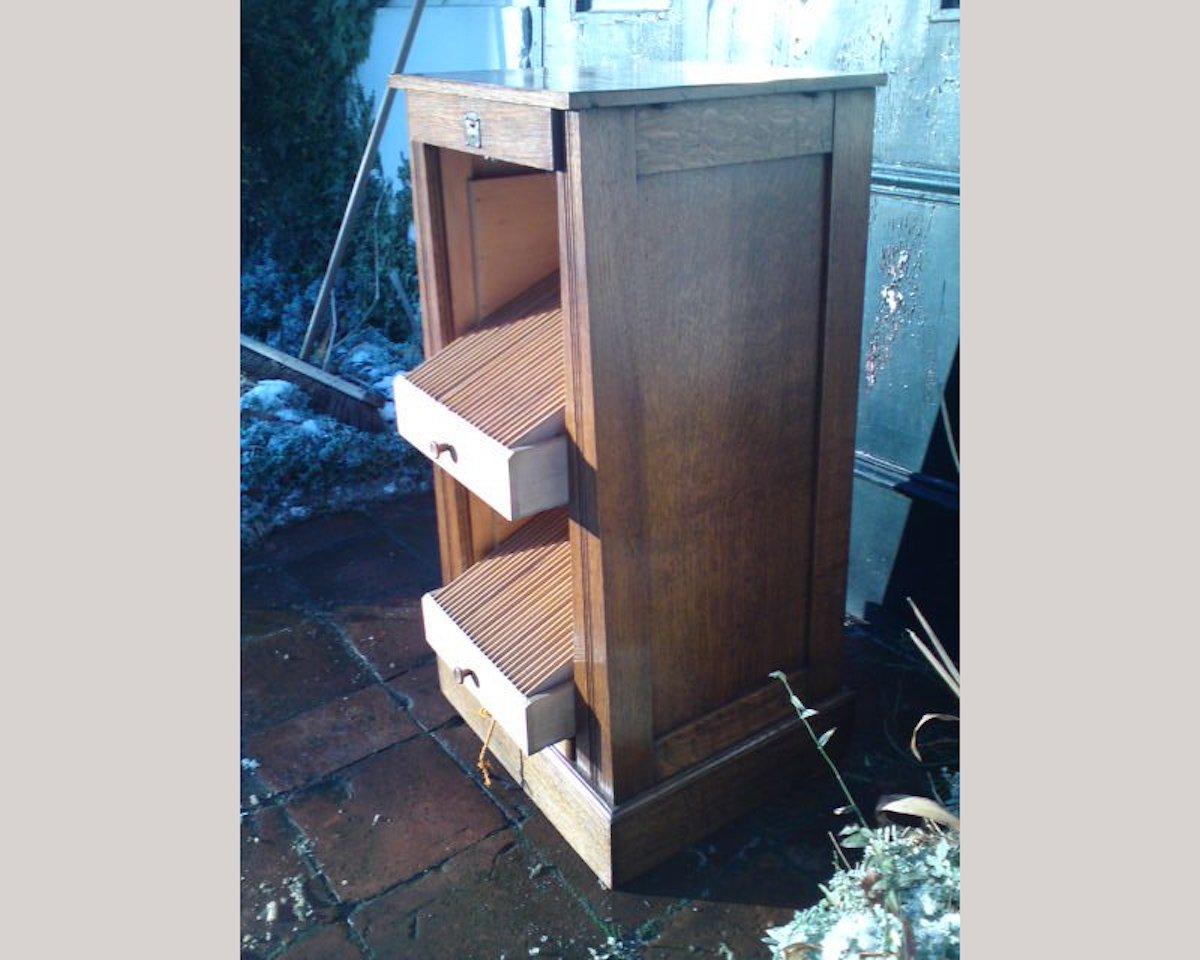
(709, 133)
(849, 199)
(707, 399)
(713, 331)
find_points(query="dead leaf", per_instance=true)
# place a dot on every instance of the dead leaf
(922, 807)
(912, 743)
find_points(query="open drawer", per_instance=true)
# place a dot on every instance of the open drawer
(490, 408)
(505, 628)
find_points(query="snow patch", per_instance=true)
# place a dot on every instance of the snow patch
(273, 396)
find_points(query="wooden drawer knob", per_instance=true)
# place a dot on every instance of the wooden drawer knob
(461, 675)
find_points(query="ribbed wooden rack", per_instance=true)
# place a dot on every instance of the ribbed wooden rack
(507, 376)
(515, 604)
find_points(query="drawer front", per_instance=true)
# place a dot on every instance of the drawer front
(534, 721)
(516, 132)
(516, 482)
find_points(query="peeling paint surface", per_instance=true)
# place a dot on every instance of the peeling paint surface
(910, 326)
(890, 316)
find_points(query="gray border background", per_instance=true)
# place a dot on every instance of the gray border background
(1079, 335)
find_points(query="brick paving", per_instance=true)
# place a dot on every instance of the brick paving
(366, 832)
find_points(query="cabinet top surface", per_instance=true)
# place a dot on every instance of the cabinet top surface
(579, 88)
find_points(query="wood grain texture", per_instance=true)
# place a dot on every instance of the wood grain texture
(515, 604)
(682, 810)
(695, 742)
(685, 136)
(498, 270)
(621, 843)
(549, 778)
(493, 264)
(711, 291)
(453, 503)
(514, 232)
(587, 585)
(507, 376)
(597, 202)
(467, 526)
(514, 482)
(501, 747)
(508, 620)
(704, 380)
(458, 169)
(518, 133)
(841, 332)
(630, 83)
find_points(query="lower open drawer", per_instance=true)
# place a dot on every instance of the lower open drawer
(505, 627)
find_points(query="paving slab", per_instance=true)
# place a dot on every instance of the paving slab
(260, 622)
(628, 917)
(726, 889)
(372, 570)
(461, 741)
(421, 860)
(391, 638)
(392, 816)
(413, 520)
(329, 942)
(271, 588)
(302, 539)
(317, 742)
(279, 897)
(253, 790)
(420, 687)
(491, 901)
(293, 670)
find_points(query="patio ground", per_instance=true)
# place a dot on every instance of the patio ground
(367, 832)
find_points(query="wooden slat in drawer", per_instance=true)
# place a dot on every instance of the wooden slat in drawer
(490, 409)
(508, 621)
(516, 132)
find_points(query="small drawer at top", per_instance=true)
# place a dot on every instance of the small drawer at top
(516, 132)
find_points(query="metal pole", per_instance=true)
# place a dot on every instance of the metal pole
(358, 191)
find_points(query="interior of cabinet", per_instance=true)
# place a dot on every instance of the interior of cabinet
(505, 619)
(500, 222)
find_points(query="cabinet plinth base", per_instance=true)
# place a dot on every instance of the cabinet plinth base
(620, 843)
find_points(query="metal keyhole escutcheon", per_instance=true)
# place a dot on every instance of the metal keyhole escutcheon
(473, 130)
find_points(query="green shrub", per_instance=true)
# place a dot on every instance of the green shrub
(304, 125)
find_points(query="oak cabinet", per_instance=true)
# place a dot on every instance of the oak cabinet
(641, 297)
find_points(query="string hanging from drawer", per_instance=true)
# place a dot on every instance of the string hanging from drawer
(483, 763)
